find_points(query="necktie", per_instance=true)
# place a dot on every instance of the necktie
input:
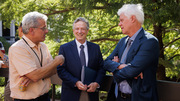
(82, 56)
(123, 60)
(83, 62)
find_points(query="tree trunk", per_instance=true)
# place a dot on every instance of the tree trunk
(158, 31)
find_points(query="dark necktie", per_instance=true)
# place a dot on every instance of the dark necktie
(83, 62)
(82, 56)
(123, 60)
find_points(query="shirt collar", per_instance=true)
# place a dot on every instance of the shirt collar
(134, 36)
(31, 44)
(79, 44)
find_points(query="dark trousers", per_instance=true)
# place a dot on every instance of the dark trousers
(111, 96)
(44, 97)
(120, 98)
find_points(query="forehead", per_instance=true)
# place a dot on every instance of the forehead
(122, 16)
(41, 22)
(80, 24)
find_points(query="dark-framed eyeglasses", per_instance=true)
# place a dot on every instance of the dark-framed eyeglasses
(43, 28)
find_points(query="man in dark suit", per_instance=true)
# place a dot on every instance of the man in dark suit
(135, 55)
(72, 71)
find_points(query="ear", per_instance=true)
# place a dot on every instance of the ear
(21, 30)
(133, 18)
(31, 31)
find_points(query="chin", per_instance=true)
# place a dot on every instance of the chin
(42, 40)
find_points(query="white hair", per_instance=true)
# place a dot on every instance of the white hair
(30, 20)
(132, 9)
(83, 20)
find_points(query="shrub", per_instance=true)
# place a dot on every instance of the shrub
(5, 44)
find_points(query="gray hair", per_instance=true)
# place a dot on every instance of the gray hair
(81, 19)
(132, 9)
(30, 20)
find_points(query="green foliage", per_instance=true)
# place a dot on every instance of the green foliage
(5, 44)
(53, 47)
(57, 92)
(103, 19)
(2, 81)
(2, 93)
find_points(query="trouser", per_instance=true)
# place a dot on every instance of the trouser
(44, 97)
(123, 97)
(7, 93)
(84, 96)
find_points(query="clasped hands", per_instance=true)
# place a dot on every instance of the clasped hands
(116, 59)
(89, 88)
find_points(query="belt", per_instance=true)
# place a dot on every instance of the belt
(123, 95)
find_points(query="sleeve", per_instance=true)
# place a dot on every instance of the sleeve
(101, 72)
(146, 55)
(110, 65)
(22, 60)
(67, 78)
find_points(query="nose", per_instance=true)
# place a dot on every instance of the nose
(120, 24)
(79, 30)
(46, 31)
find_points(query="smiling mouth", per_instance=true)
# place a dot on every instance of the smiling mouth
(80, 34)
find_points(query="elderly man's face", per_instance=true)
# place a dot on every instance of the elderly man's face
(80, 31)
(125, 24)
(40, 32)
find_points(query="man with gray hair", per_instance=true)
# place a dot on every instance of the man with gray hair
(134, 61)
(31, 64)
(82, 71)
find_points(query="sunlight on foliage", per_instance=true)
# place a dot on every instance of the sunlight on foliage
(161, 19)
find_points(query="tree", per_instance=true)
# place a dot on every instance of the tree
(161, 19)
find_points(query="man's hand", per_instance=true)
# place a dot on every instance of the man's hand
(92, 87)
(140, 75)
(122, 66)
(25, 81)
(60, 59)
(116, 59)
(81, 86)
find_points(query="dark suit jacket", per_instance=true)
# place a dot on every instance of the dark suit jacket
(142, 57)
(70, 71)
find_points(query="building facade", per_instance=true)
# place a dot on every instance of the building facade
(8, 33)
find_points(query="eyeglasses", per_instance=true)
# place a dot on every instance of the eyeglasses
(43, 28)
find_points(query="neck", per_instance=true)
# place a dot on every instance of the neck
(134, 30)
(81, 41)
(32, 39)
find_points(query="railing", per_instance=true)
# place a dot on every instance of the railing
(167, 91)
(10, 39)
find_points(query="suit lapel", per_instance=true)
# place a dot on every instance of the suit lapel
(90, 50)
(75, 52)
(136, 43)
(123, 47)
